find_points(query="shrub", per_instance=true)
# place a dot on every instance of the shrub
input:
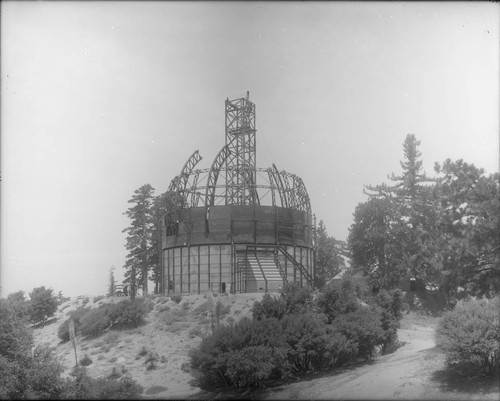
(297, 298)
(94, 322)
(110, 338)
(163, 308)
(363, 328)
(195, 331)
(391, 306)
(76, 315)
(255, 365)
(42, 375)
(269, 307)
(176, 298)
(43, 304)
(222, 360)
(291, 299)
(63, 330)
(313, 345)
(470, 335)
(133, 313)
(127, 313)
(286, 337)
(85, 387)
(86, 361)
(150, 361)
(334, 302)
(19, 304)
(144, 351)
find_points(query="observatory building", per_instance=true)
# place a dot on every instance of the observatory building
(234, 227)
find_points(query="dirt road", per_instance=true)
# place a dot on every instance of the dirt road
(408, 373)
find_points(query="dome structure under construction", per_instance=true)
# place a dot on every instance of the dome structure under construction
(234, 227)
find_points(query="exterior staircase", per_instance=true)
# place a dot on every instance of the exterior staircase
(260, 272)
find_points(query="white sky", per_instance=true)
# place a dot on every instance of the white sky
(99, 98)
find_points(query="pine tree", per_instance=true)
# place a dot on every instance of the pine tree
(328, 260)
(469, 223)
(408, 230)
(112, 282)
(139, 239)
(155, 261)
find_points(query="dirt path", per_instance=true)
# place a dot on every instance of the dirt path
(408, 373)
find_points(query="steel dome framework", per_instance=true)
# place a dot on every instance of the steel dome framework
(243, 214)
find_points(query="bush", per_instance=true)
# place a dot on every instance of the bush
(313, 345)
(43, 379)
(143, 352)
(297, 298)
(19, 304)
(289, 335)
(470, 335)
(334, 302)
(76, 315)
(86, 361)
(43, 304)
(176, 298)
(151, 359)
(292, 299)
(127, 313)
(85, 387)
(94, 322)
(248, 354)
(391, 306)
(363, 328)
(269, 307)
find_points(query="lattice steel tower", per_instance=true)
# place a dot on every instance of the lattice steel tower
(241, 173)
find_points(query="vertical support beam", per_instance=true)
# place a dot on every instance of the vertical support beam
(168, 270)
(189, 268)
(241, 173)
(199, 271)
(180, 265)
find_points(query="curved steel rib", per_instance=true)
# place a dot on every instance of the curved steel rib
(213, 176)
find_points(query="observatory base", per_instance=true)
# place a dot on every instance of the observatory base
(237, 249)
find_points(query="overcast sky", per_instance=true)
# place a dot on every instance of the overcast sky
(99, 98)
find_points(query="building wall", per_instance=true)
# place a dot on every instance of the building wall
(199, 254)
(201, 268)
(251, 224)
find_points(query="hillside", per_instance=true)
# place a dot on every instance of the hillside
(414, 371)
(171, 330)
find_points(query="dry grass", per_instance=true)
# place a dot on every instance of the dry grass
(171, 330)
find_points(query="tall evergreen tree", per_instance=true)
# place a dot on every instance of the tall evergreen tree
(469, 224)
(155, 262)
(328, 259)
(139, 239)
(112, 281)
(395, 229)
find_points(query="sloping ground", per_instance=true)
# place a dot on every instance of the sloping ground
(414, 371)
(170, 332)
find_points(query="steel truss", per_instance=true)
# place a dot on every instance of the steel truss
(233, 178)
